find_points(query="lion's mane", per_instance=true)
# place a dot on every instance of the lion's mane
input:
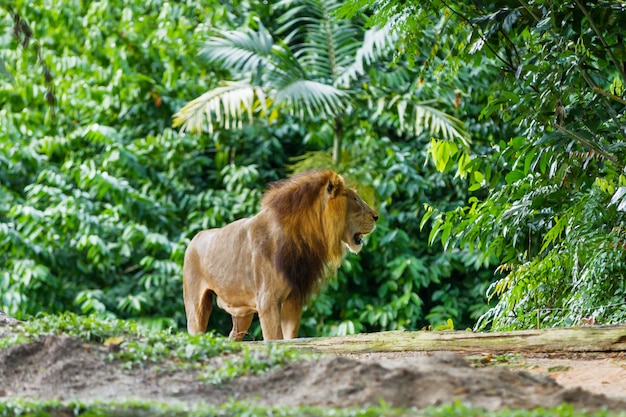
(311, 222)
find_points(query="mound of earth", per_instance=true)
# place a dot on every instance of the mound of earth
(66, 368)
(434, 379)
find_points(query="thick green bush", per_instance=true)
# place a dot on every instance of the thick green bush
(99, 195)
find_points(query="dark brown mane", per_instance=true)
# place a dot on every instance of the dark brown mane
(311, 225)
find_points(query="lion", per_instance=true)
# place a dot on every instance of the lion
(271, 263)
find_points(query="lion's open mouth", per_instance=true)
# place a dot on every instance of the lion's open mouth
(358, 238)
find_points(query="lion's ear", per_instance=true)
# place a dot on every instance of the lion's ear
(335, 186)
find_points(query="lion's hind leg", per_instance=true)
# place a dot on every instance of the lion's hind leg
(240, 327)
(198, 307)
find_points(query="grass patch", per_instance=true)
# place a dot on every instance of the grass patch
(137, 346)
(29, 408)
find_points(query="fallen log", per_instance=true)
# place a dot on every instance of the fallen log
(570, 339)
(6, 320)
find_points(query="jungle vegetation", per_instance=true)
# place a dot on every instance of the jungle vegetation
(488, 135)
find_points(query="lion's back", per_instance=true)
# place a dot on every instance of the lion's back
(230, 252)
(229, 240)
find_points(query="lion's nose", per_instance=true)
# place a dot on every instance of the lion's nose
(375, 216)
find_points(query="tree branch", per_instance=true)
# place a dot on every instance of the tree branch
(598, 90)
(529, 10)
(585, 142)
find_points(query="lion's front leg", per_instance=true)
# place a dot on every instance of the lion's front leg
(269, 316)
(290, 316)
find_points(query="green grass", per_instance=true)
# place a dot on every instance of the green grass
(29, 408)
(139, 346)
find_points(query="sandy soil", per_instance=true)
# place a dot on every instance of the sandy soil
(67, 368)
(600, 374)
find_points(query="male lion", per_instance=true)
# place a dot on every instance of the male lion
(272, 262)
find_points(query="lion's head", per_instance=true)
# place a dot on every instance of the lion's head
(320, 218)
(360, 221)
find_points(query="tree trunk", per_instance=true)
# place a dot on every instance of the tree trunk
(337, 141)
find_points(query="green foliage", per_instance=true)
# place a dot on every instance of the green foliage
(139, 409)
(559, 231)
(383, 112)
(319, 72)
(549, 191)
(139, 346)
(30, 408)
(99, 196)
(87, 328)
(251, 360)
(399, 282)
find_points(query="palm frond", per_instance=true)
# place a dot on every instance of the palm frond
(239, 51)
(305, 98)
(300, 13)
(286, 65)
(323, 44)
(310, 160)
(377, 43)
(227, 106)
(331, 48)
(418, 117)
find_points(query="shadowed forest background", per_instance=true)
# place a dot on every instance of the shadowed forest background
(488, 135)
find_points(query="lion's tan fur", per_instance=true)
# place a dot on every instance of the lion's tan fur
(272, 262)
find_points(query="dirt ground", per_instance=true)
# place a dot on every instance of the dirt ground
(67, 368)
